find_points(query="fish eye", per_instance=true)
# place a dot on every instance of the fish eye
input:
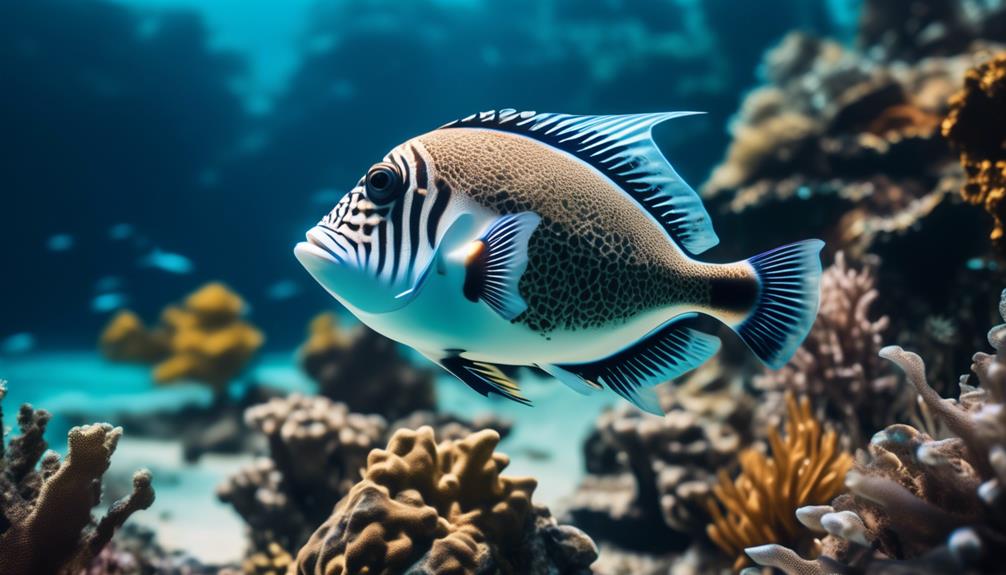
(383, 183)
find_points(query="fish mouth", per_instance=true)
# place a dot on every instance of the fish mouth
(317, 246)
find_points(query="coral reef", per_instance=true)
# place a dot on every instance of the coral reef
(364, 370)
(206, 339)
(316, 450)
(806, 466)
(443, 508)
(976, 127)
(915, 503)
(46, 524)
(643, 498)
(845, 144)
(838, 364)
(832, 123)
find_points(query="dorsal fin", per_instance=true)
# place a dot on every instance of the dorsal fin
(622, 148)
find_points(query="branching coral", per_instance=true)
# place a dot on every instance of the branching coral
(976, 126)
(206, 339)
(806, 466)
(838, 363)
(446, 508)
(46, 524)
(364, 370)
(917, 504)
(316, 451)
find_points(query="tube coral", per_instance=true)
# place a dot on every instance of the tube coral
(806, 466)
(46, 524)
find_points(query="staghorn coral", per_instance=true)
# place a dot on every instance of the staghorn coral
(918, 504)
(806, 466)
(430, 508)
(364, 370)
(976, 127)
(837, 364)
(207, 341)
(46, 524)
(316, 450)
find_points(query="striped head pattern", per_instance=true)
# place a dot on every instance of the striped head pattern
(381, 237)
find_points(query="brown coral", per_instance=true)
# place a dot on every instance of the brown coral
(838, 142)
(648, 478)
(364, 370)
(976, 126)
(205, 339)
(316, 451)
(46, 524)
(442, 509)
(838, 363)
(806, 466)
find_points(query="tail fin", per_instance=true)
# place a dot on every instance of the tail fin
(788, 297)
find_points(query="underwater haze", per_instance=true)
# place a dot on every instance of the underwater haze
(163, 158)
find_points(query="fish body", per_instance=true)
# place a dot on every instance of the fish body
(556, 241)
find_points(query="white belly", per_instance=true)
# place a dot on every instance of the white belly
(440, 318)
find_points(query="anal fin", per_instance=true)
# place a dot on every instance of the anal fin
(664, 354)
(483, 377)
(571, 380)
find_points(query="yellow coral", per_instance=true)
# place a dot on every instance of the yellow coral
(205, 339)
(325, 336)
(975, 127)
(126, 339)
(807, 467)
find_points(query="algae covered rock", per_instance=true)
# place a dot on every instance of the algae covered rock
(428, 508)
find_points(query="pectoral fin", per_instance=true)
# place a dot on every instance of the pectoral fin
(496, 261)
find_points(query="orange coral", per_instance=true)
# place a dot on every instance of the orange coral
(204, 339)
(976, 127)
(806, 467)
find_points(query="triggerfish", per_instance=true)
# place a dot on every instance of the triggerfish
(561, 242)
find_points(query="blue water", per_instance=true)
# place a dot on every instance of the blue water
(155, 145)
